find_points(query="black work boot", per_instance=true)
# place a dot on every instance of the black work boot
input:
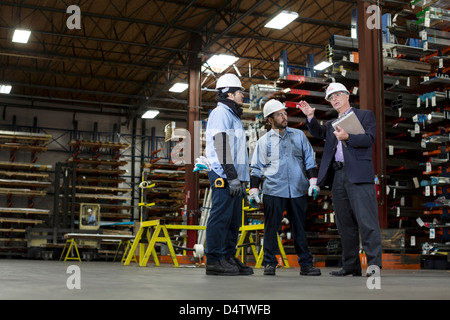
(269, 270)
(221, 268)
(310, 271)
(243, 269)
(343, 273)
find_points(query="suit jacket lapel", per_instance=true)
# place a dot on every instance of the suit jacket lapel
(334, 140)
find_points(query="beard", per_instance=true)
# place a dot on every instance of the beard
(280, 125)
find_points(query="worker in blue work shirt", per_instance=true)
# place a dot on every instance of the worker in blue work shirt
(226, 151)
(284, 160)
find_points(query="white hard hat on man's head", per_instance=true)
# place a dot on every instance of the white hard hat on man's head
(271, 106)
(335, 87)
(228, 80)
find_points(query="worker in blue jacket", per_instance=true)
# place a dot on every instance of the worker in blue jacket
(347, 167)
(226, 151)
(284, 160)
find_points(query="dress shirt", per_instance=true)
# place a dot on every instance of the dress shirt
(339, 156)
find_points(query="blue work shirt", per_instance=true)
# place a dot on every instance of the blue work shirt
(223, 119)
(283, 161)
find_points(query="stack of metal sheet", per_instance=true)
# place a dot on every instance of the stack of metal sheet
(438, 17)
(436, 38)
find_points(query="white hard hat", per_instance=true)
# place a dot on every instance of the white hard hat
(228, 80)
(271, 106)
(335, 87)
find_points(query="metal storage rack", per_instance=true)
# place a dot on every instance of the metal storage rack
(417, 121)
(20, 184)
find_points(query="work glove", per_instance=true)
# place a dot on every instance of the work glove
(313, 189)
(253, 197)
(202, 163)
(235, 187)
(244, 189)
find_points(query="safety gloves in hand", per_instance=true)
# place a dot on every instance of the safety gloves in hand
(313, 189)
(235, 187)
(253, 197)
(202, 163)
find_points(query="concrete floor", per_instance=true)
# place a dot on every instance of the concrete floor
(47, 280)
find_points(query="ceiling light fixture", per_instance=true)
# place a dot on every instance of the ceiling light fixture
(21, 36)
(5, 88)
(282, 19)
(219, 62)
(150, 114)
(179, 87)
(322, 65)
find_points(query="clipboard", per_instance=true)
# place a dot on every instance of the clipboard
(349, 123)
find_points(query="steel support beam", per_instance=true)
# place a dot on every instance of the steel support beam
(371, 93)
(193, 116)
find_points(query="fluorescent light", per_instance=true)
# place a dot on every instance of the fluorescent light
(21, 36)
(282, 20)
(322, 66)
(237, 70)
(150, 114)
(219, 63)
(5, 88)
(179, 87)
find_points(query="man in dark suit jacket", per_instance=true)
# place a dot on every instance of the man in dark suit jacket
(347, 167)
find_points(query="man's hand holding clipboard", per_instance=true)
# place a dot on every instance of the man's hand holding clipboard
(348, 124)
(341, 134)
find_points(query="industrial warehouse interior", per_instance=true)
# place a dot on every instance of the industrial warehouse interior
(105, 108)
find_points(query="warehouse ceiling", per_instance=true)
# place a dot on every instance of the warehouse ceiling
(123, 56)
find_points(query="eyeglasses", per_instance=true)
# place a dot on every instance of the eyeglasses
(335, 95)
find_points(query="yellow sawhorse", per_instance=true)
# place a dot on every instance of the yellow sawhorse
(258, 257)
(72, 244)
(127, 244)
(156, 226)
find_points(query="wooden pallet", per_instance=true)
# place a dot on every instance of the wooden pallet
(24, 137)
(22, 147)
(24, 211)
(100, 179)
(101, 196)
(22, 192)
(24, 183)
(17, 220)
(98, 162)
(18, 174)
(24, 166)
(100, 171)
(101, 189)
(98, 144)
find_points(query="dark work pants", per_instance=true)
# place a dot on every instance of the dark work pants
(273, 214)
(355, 206)
(222, 228)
